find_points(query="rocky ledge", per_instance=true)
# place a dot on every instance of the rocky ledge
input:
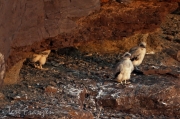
(80, 85)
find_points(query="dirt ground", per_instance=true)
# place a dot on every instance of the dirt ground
(71, 86)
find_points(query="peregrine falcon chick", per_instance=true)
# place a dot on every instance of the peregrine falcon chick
(137, 54)
(40, 58)
(124, 68)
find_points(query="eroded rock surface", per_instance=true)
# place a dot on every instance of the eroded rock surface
(80, 85)
(150, 96)
(25, 24)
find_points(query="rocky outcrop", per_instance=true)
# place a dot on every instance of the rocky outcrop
(25, 24)
(33, 26)
(12, 76)
(79, 85)
(146, 95)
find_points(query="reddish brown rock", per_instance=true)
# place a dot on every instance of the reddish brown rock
(117, 21)
(104, 1)
(156, 71)
(166, 71)
(2, 96)
(12, 76)
(2, 68)
(25, 24)
(51, 89)
(145, 96)
(81, 115)
(178, 55)
(82, 98)
(169, 61)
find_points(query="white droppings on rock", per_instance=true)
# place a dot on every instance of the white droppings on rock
(155, 67)
(92, 101)
(164, 103)
(17, 97)
(131, 86)
(115, 95)
(107, 87)
(74, 92)
(94, 88)
(85, 79)
(99, 94)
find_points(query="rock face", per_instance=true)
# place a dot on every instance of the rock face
(13, 73)
(32, 26)
(80, 86)
(25, 24)
(156, 96)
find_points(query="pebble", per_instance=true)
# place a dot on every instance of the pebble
(51, 89)
(2, 96)
(53, 63)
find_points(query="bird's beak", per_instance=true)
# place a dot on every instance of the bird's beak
(143, 46)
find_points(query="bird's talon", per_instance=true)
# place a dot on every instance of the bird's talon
(44, 69)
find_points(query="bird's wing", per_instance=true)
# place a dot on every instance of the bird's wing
(134, 53)
(45, 52)
(35, 57)
(118, 68)
(129, 65)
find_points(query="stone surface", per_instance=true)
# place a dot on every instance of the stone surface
(157, 71)
(25, 23)
(12, 75)
(156, 96)
(164, 71)
(51, 89)
(2, 68)
(2, 96)
(81, 115)
(86, 89)
(32, 26)
(178, 55)
(104, 1)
